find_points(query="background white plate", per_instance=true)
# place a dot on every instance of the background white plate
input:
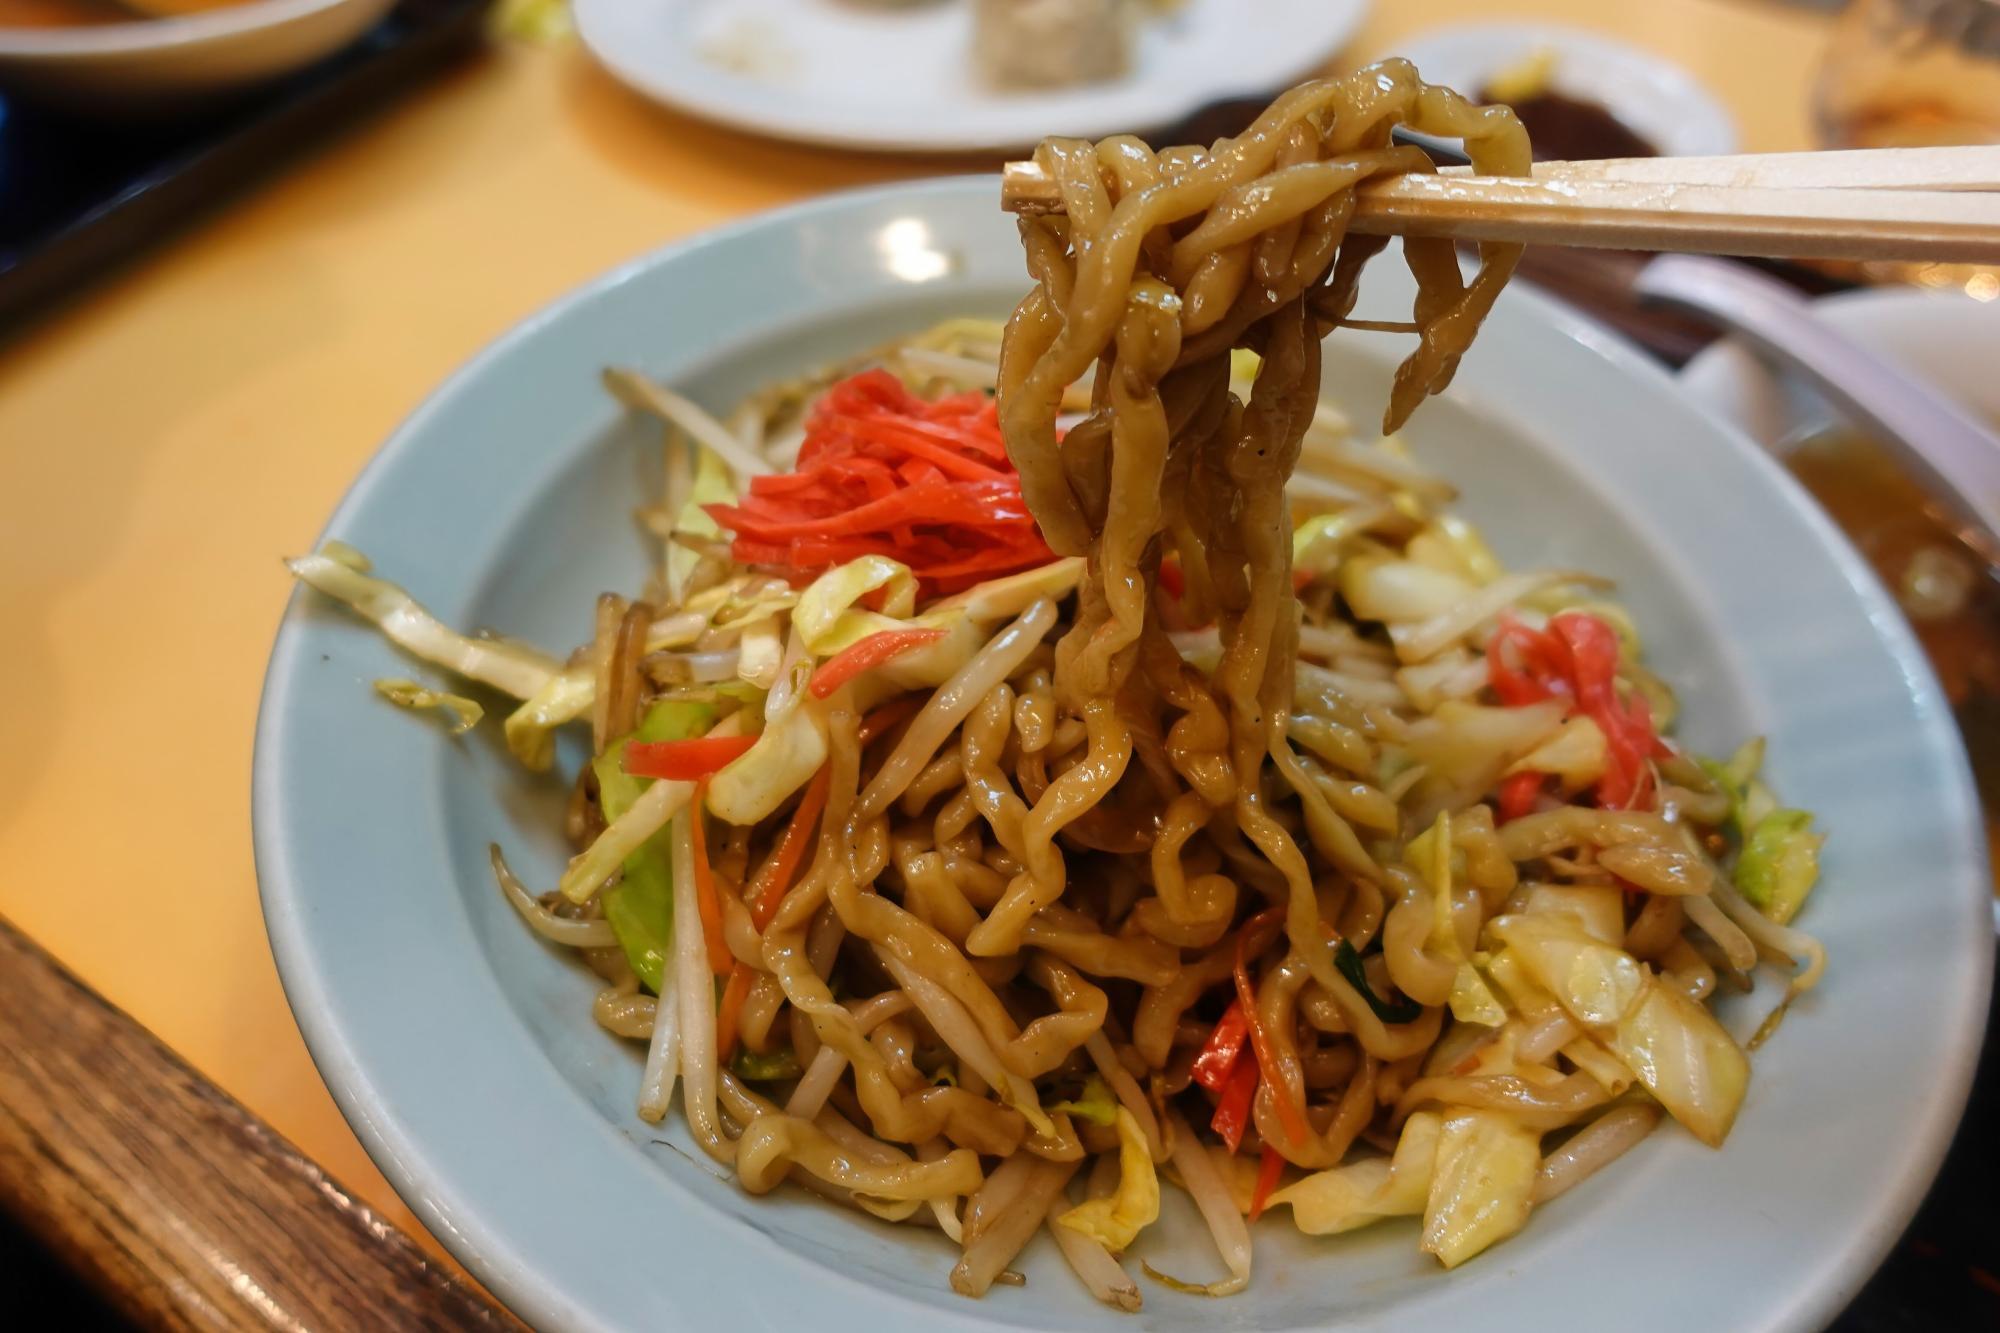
(147, 63)
(462, 1049)
(858, 76)
(1652, 95)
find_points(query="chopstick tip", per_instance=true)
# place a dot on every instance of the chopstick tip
(1026, 189)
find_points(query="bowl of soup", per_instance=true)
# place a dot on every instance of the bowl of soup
(138, 53)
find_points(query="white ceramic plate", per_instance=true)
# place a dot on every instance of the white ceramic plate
(462, 1049)
(1664, 103)
(144, 63)
(857, 75)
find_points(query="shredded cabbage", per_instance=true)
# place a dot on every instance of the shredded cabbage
(1597, 983)
(828, 617)
(1472, 1000)
(1453, 545)
(569, 693)
(1671, 1043)
(712, 485)
(1600, 910)
(409, 694)
(1452, 675)
(1398, 592)
(1577, 755)
(1466, 746)
(1317, 541)
(531, 728)
(1346, 1197)
(1419, 640)
(784, 758)
(1526, 996)
(341, 573)
(1097, 1104)
(744, 606)
(1482, 1185)
(1779, 861)
(1011, 594)
(827, 614)
(1779, 864)
(1686, 1060)
(1116, 1220)
(1734, 778)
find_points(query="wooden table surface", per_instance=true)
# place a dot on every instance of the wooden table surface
(172, 433)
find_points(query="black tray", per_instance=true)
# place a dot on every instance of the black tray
(77, 194)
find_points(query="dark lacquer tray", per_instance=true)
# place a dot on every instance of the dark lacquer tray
(77, 194)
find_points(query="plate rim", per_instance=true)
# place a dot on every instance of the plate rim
(475, 1237)
(861, 130)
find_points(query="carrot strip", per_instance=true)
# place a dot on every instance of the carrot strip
(767, 890)
(1232, 1107)
(865, 655)
(708, 899)
(885, 718)
(1219, 1055)
(1290, 1115)
(685, 760)
(1518, 793)
(1269, 1169)
(730, 1012)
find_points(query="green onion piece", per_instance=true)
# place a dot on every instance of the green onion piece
(1349, 963)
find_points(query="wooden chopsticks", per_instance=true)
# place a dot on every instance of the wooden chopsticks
(1935, 204)
(1950, 169)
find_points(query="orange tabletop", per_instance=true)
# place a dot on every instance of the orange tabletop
(170, 435)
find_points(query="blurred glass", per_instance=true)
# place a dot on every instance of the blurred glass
(1914, 73)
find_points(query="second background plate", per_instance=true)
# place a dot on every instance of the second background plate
(901, 78)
